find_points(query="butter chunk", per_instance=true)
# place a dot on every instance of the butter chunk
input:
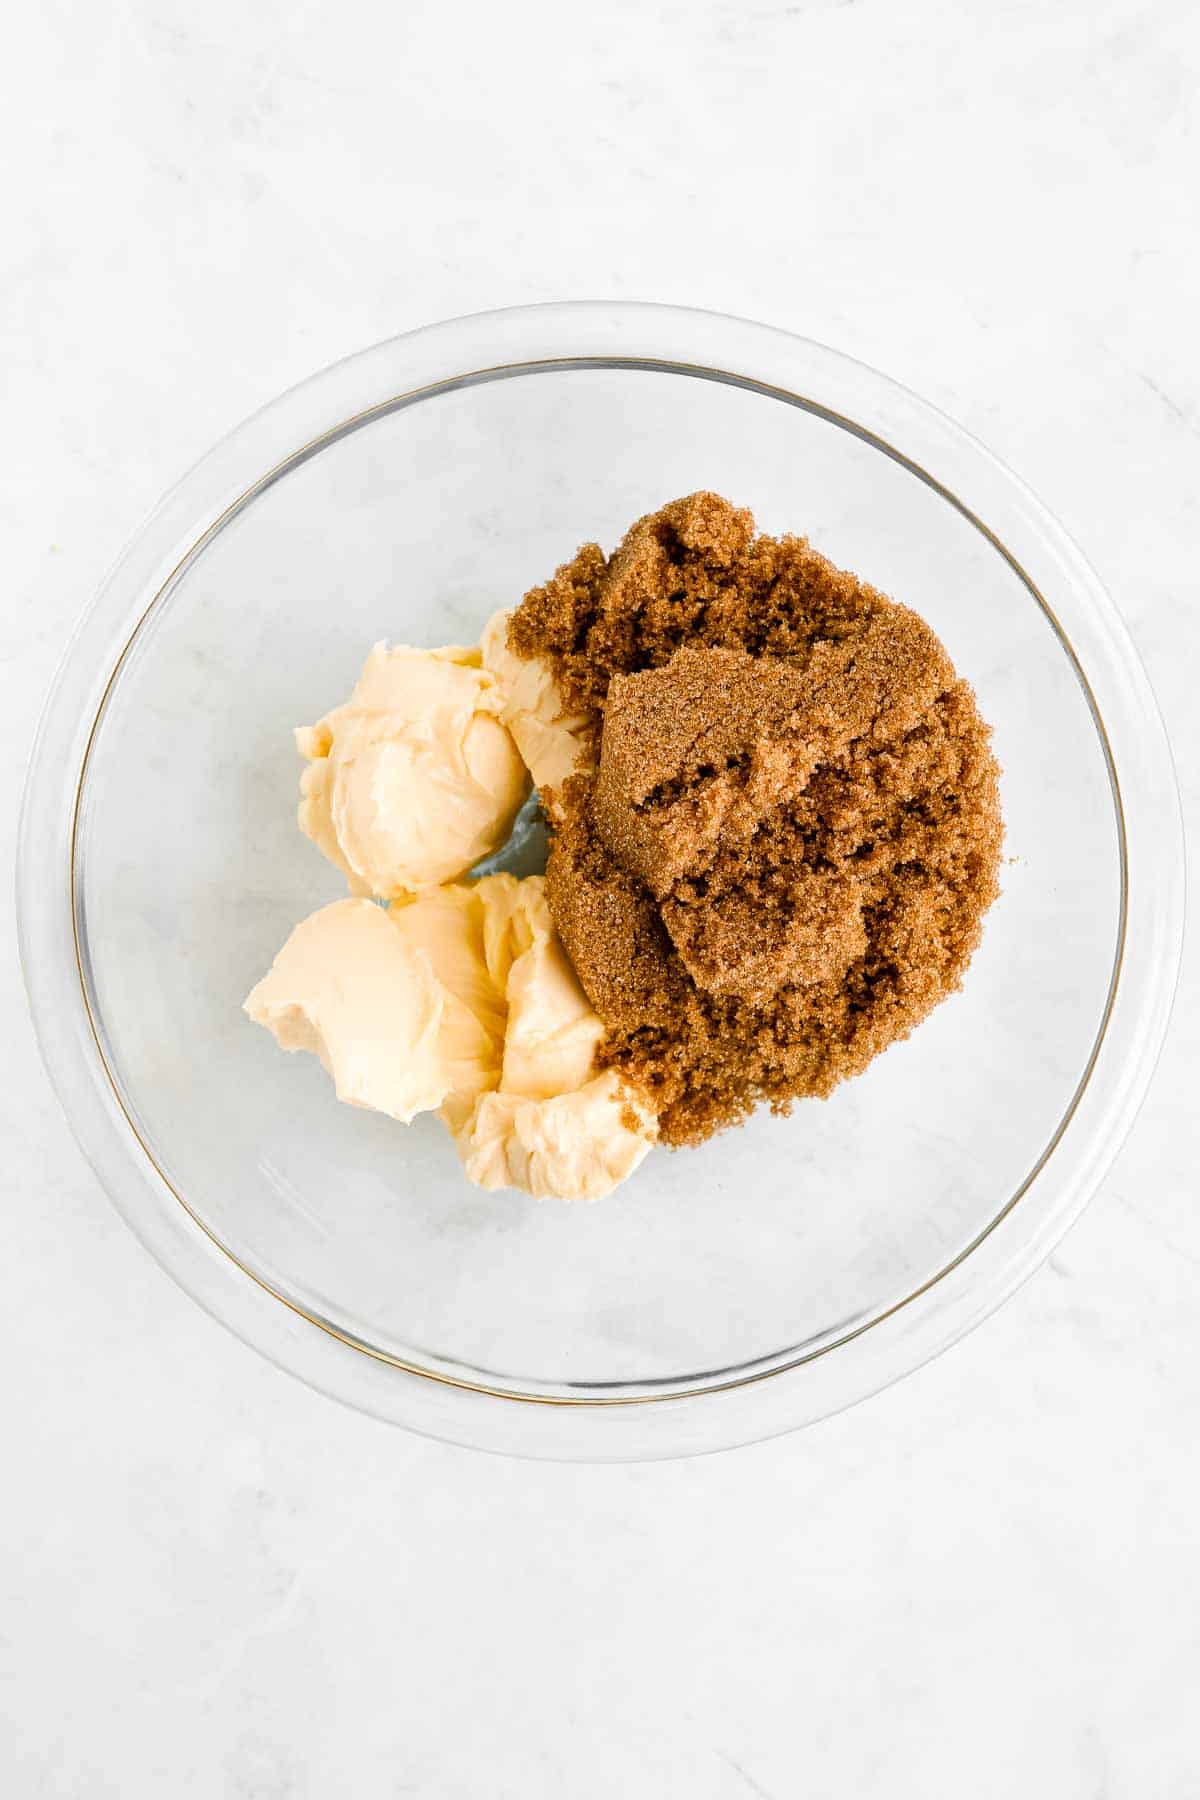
(551, 1127)
(346, 987)
(553, 741)
(446, 928)
(462, 1001)
(552, 1033)
(415, 778)
(572, 1146)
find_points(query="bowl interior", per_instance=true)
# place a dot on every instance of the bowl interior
(413, 525)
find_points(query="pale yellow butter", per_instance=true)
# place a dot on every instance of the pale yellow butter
(458, 997)
(347, 987)
(415, 778)
(553, 741)
(551, 1127)
(447, 928)
(462, 1000)
(578, 1145)
(551, 1033)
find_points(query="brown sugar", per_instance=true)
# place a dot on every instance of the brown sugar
(783, 858)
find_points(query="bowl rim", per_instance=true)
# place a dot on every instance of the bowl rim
(755, 1401)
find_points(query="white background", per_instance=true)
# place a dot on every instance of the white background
(983, 1583)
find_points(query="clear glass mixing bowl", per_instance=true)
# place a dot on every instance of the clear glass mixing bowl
(779, 1272)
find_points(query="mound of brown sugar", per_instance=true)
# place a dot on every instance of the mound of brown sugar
(783, 858)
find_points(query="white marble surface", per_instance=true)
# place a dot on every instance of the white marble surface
(984, 1582)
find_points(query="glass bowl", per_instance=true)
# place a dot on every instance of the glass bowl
(783, 1270)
